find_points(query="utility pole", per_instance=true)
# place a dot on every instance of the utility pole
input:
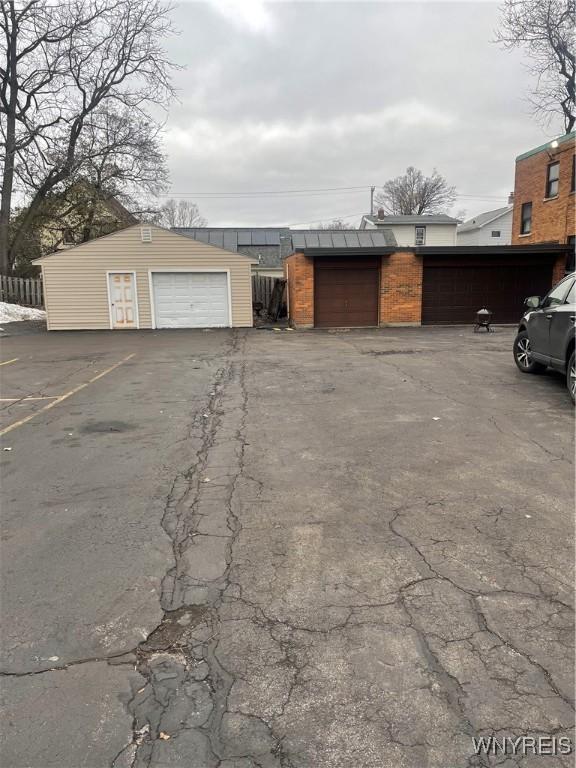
(372, 200)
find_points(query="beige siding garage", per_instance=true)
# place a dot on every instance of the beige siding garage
(76, 281)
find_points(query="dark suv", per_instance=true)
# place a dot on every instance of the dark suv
(546, 333)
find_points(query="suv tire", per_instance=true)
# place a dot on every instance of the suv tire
(523, 355)
(571, 376)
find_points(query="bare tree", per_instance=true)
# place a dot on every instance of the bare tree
(414, 193)
(179, 213)
(334, 224)
(545, 28)
(71, 74)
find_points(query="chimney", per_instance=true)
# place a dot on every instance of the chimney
(380, 213)
(511, 198)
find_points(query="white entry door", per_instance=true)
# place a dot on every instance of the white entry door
(191, 299)
(123, 309)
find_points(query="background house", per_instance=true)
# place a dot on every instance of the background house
(544, 194)
(489, 228)
(79, 214)
(433, 229)
(266, 245)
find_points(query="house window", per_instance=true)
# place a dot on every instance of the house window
(420, 236)
(573, 182)
(552, 177)
(495, 233)
(526, 221)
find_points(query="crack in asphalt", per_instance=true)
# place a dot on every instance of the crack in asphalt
(51, 383)
(184, 700)
(162, 710)
(483, 623)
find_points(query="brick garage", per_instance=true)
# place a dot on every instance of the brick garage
(418, 285)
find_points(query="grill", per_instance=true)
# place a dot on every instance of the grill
(483, 320)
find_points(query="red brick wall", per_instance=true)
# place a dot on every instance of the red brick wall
(401, 289)
(299, 270)
(552, 220)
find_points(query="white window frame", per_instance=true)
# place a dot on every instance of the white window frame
(152, 271)
(423, 228)
(122, 272)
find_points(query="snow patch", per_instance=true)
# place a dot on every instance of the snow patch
(12, 313)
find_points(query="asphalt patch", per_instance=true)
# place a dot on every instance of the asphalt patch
(106, 427)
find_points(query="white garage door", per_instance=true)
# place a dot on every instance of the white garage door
(190, 299)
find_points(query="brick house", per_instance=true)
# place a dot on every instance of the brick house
(349, 279)
(544, 194)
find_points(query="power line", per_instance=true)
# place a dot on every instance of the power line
(323, 221)
(313, 192)
(316, 191)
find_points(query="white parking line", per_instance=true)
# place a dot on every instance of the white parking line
(23, 399)
(65, 396)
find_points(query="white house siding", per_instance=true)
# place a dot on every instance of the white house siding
(468, 238)
(436, 234)
(483, 235)
(75, 280)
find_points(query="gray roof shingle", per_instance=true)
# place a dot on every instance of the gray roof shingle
(423, 219)
(483, 218)
(267, 244)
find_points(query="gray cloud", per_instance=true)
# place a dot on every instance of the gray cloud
(312, 95)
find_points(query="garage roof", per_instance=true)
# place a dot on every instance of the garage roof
(342, 239)
(233, 238)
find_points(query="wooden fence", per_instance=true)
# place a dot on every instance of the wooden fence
(21, 290)
(262, 288)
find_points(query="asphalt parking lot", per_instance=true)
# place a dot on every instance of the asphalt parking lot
(243, 549)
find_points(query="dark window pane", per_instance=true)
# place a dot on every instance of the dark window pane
(495, 233)
(526, 223)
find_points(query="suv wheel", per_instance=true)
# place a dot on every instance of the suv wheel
(523, 355)
(571, 376)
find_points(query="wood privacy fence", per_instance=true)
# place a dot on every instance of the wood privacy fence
(269, 293)
(21, 290)
(262, 288)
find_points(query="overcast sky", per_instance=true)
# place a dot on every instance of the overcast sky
(301, 95)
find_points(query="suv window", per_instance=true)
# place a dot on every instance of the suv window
(571, 298)
(557, 295)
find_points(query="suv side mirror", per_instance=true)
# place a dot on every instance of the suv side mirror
(532, 302)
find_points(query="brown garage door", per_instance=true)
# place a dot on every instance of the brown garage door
(346, 292)
(452, 293)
